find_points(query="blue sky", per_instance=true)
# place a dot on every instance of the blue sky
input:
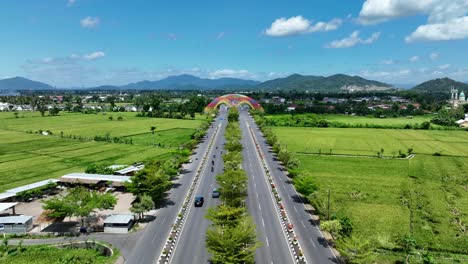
(76, 43)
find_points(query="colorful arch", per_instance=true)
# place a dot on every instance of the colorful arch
(233, 100)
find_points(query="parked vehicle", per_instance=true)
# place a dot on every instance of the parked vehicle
(199, 201)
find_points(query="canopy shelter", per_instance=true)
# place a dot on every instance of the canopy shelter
(86, 178)
(7, 206)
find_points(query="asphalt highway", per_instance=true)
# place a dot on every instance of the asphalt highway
(316, 250)
(151, 240)
(261, 206)
(190, 247)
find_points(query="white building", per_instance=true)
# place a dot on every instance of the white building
(457, 99)
(118, 223)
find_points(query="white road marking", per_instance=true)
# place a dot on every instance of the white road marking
(268, 243)
(303, 224)
(295, 209)
(313, 244)
(263, 223)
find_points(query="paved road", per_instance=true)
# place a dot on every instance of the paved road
(150, 241)
(311, 239)
(190, 247)
(261, 206)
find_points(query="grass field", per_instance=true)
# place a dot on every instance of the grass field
(363, 141)
(374, 192)
(27, 158)
(394, 122)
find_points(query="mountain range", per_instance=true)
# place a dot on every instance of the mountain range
(333, 83)
(20, 83)
(188, 82)
(440, 86)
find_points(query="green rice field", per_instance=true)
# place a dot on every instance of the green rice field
(376, 193)
(27, 158)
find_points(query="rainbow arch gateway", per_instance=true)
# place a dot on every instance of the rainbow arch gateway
(233, 100)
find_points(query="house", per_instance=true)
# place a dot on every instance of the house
(16, 224)
(463, 122)
(130, 171)
(118, 223)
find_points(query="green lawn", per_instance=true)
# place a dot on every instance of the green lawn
(373, 191)
(27, 158)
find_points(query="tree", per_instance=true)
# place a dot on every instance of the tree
(79, 202)
(225, 215)
(143, 204)
(233, 187)
(233, 115)
(54, 111)
(355, 249)
(305, 184)
(233, 245)
(152, 182)
(346, 226)
(408, 244)
(332, 226)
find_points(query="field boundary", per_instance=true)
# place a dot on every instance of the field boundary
(353, 155)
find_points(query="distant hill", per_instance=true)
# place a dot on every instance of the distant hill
(440, 86)
(20, 83)
(333, 83)
(186, 81)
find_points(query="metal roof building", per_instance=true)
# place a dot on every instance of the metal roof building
(94, 178)
(6, 195)
(130, 170)
(17, 219)
(118, 219)
(16, 224)
(119, 223)
(6, 206)
(31, 186)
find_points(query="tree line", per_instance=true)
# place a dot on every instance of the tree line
(231, 239)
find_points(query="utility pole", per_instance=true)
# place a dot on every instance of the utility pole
(152, 131)
(328, 205)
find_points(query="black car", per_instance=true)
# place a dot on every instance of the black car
(198, 201)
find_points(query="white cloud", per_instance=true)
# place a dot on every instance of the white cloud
(353, 40)
(89, 22)
(387, 62)
(296, 25)
(72, 59)
(70, 2)
(172, 36)
(456, 28)
(376, 11)
(437, 73)
(333, 24)
(93, 56)
(444, 66)
(414, 59)
(230, 73)
(433, 56)
(447, 19)
(220, 35)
